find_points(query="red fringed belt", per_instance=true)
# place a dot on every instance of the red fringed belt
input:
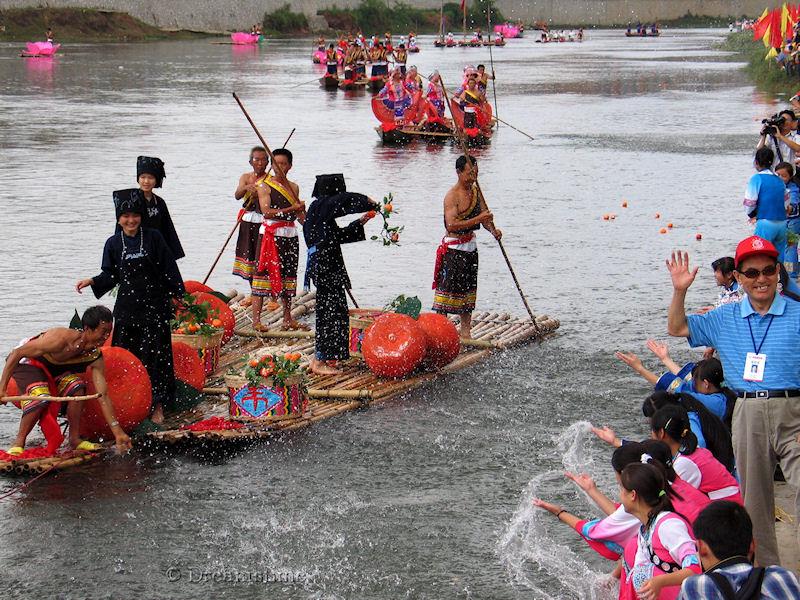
(268, 258)
(442, 250)
(47, 421)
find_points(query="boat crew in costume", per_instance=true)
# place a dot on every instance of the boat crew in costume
(455, 278)
(435, 95)
(396, 96)
(326, 268)
(332, 61)
(279, 246)
(244, 265)
(470, 100)
(54, 363)
(413, 80)
(400, 58)
(350, 70)
(138, 260)
(150, 174)
(361, 57)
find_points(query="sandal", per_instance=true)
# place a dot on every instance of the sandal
(15, 450)
(88, 446)
(297, 326)
(260, 327)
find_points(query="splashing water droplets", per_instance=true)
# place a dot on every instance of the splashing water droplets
(533, 557)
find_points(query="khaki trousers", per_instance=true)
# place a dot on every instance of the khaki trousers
(765, 432)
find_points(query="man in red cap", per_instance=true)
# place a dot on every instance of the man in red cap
(757, 340)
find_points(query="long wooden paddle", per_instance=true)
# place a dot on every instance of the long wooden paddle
(491, 56)
(462, 140)
(239, 219)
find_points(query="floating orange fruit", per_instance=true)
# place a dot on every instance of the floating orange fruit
(658, 215)
(669, 225)
(698, 236)
(662, 230)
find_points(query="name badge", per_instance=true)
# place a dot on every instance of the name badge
(754, 367)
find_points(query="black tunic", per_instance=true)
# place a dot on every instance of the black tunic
(148, 277)
(157, 217)
(327, 270)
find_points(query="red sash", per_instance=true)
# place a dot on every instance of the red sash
(268, 255)
(442, 250)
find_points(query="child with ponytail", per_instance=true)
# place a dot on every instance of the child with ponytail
(697, 466)
(666, 553)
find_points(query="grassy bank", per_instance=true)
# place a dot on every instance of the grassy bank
(376, 17)
(80, 25)
(766, 74)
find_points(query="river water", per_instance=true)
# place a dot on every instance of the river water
(423, 497)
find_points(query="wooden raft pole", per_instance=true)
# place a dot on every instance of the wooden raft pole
(50, 398)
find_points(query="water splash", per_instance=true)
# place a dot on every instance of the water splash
(531, 556)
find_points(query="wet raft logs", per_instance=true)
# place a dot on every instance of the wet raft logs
(330, 395)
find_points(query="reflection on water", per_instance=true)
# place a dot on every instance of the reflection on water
(413, 497)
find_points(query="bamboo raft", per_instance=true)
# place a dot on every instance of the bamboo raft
(355, 387)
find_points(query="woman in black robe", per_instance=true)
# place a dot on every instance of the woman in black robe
(326, 264)
(140, 262)
(150, 174)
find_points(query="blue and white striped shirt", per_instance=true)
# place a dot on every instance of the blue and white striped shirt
(778, 584)
(726, 329)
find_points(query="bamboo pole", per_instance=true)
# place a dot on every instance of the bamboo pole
(50, 398)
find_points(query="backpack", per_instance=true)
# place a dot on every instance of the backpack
(750, 590)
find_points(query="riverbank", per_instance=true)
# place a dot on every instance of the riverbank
(766, 74)
(81, 25)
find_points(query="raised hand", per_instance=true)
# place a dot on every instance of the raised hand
(630, 359)
(678, 267)
(660, 350)
(607, 435)
(582, 480)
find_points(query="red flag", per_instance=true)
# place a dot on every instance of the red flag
(761, 26)
(775, 36)
(463, 4)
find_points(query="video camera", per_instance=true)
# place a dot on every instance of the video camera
(771, 125)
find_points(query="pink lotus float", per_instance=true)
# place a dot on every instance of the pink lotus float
(41, 48)
(507, 31)
(241, 37)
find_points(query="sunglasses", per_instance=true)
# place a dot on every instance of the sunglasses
(767, 271)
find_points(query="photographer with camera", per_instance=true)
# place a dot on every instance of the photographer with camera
(779, 133)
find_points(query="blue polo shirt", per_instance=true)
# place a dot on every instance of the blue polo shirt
(726, 329)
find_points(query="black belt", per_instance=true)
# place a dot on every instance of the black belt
(770, 394)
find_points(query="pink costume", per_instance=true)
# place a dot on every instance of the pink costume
(609, 535)
(701, 470)
(665, 547)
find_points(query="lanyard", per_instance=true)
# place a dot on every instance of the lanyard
(757, 350)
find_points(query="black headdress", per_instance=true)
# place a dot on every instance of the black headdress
(152, 166)
(328, 185)
(128, 201)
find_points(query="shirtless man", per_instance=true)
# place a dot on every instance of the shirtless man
(456, 274)
(280, 204)
(247, 244)
(52, 364)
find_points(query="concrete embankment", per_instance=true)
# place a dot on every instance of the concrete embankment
(231, 15)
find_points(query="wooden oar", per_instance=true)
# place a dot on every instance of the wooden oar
(239, 220)
(50, 398)
(306, 82)
(461, 138)
(514, 128)
(491, 56)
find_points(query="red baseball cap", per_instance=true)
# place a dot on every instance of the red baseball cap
(752, 246)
